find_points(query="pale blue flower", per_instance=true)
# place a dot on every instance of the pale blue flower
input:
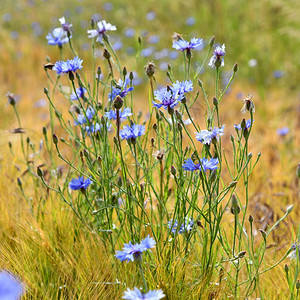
(112, 115)
(81, 91)
(185, 227)
(79, 183)
(182, 45)
(132, 252)
(206, 136)
(248, 125)
(103, 26)
(217, 60)
(136, 294)
(10, 287)
(58, 37)
(283, 131)
(70, 65)
(204, 164)
(132, 132)
(121, 90)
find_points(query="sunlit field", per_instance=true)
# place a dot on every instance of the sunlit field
(153, 155)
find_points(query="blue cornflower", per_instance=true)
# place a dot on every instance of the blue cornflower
(58, 37)
(183, 87)
(134, 252)
(283, 131)
(103, 26)
(121, 90)
(80, 92)
(217, 60)
(10, 287)
(65, 25)
(112, 115)
(136, 294)
(185, 227)
(97, 127)
(79, 183)
(132, 132)
(185, 45)
(295, 251)
(168, 97)
(81, 119)
(248, 125)
(205, 165)
(70, 65)
(206, 136)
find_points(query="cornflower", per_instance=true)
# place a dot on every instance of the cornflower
(185, 45)
(79, 183)
(10, 287)
(81, 119)
(247, 125)
(207, 136)
(65, 25)
(295, 250)
(132, 132)
(103, 26)
(168, 97)
(283, 131)
(57, 37)
(112, 115)
(68, 66)
(80, 92)
(203, 165)
(136, 294)
(217, 60)
(185, 227)
(121, 90)
(134, 252)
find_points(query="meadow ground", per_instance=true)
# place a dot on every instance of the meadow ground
(47, 247)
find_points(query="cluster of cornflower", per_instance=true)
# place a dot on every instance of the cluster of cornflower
(171, 96)
(60, 35)
(187, 226)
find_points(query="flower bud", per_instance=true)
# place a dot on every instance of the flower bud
(40, 173)
(215, 102)
(173, 170)
(71, 75)
(154, 126)
(263, 233)
(131, 76)
(286, 268)
(99, 71)
(200, 83)
(44, 131)
(233, 184)
(170, 110)
(235, 68)
(150, 69)
(298, 284)
(119, 182)
(179, 127)
(251, 219)
(235, 208)
(178, 115)
(140, 40)
(55, 139)
(92, 22)
(106, 54)
(124, 71)
(85, 153)
(289, 209)
(19, 182)
(241, 254)
(118, 102)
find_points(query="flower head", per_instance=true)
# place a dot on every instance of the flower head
(217, 60)
(168, 97)
(70, 65)
(248, 125)
(295, 251)
(97, 127)
(10, 287)
(79, 183)
(81, 118)
(185, 227)
(132, 132)
(207, 136)
(103, 26)
(248, 105)
(134, 252)
(112, 115)
(283, 131)
(121, 90)
(65, 25)
(203, 165)
(80, 92)
(183, 87)
(136, 294)
(57, 37)
(185, 45)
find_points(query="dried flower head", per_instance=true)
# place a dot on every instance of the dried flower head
(248, 105)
